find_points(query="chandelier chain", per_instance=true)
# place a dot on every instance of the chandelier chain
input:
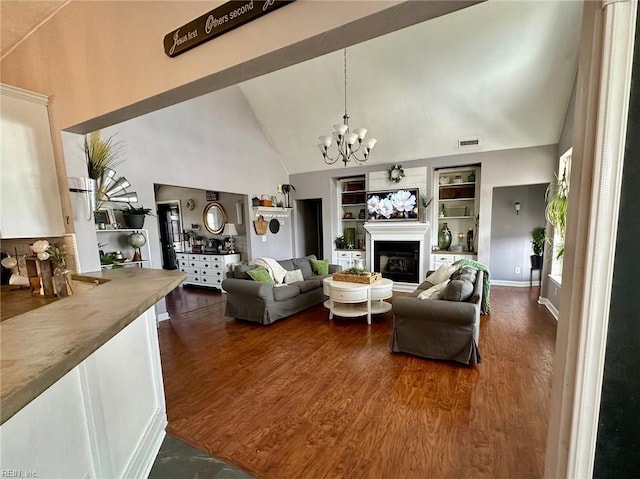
(345, 82)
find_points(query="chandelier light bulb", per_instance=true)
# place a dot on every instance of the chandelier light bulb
(351, 138)
(369, 143)
(325, 140)
(341, 129)
(361, 132)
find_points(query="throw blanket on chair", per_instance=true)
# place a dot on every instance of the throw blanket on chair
(486, 305)
(276, 271)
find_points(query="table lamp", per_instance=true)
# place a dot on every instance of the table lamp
(230, 231)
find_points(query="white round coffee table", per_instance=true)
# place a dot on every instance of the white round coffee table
(357, 299)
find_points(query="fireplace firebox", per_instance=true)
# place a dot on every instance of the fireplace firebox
(397, 260)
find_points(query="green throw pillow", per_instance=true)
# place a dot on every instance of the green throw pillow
(261, 274)
(320, 266)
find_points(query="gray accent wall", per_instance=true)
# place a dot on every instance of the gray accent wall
(511, 246)
(522, 166)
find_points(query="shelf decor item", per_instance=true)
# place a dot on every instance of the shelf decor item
(134, 216)
(364, 277)
(396, 173)
(137, 240)
(444, 237)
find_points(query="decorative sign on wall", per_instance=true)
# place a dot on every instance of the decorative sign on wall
(218, 21)
(211, 195)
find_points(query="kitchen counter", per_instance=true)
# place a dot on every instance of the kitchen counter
(40, 346)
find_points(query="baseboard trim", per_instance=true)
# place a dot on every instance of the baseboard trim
(147, 449)
(549, 305)
(162, 317)
(515, 284)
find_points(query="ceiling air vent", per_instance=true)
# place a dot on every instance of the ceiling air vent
(468, 142)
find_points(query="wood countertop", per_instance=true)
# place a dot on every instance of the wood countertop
(37, 348)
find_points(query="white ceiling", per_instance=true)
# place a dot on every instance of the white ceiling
(499, 70)
(21, 17)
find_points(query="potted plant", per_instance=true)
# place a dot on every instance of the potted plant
(556, 210)
(134, 216)
(538, 247)
(286, 189)
(340, 242)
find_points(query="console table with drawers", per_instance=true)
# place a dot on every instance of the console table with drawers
(206, 269)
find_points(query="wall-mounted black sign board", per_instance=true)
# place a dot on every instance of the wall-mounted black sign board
(218, 21)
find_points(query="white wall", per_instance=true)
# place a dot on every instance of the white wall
(212, 142)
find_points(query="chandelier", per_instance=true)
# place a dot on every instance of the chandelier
(348, 143)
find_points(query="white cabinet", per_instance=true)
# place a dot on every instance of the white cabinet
(207, 269)
(112, 241)
(104, 418)
(347, 258)
(30, 203)
(438, 259)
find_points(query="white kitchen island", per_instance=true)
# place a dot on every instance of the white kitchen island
(82, 393)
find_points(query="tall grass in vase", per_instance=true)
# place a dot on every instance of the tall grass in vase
(101, 155)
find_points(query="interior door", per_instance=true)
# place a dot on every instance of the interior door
(170, 233)
(310, 212)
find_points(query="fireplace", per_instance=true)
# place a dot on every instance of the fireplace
(398, 261)
(405, 261)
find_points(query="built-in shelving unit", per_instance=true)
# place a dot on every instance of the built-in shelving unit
(457, 203)
(112, 240)
(352, 210)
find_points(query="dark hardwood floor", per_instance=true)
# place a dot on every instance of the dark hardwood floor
(311, 398)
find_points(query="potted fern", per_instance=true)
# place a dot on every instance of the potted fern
(557, 196)
(538, 247)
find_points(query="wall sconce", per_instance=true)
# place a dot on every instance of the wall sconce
(517, 207)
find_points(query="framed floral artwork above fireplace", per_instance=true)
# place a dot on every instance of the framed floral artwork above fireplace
(393, 205)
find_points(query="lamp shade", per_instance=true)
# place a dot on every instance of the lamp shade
(361, 132)
(230, 230)
(340, 129)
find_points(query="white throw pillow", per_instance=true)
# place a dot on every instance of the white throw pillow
(434, 292)
(293, 276)
(442, 273)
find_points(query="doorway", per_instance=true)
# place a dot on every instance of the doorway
(170, 225)
(310, 222)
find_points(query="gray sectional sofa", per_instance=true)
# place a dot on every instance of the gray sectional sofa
(262, 303)
(447, 328)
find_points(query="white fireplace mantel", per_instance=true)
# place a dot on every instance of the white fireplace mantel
(398, 231)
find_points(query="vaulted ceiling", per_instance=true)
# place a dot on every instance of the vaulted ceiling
(21, 17)
(501, 71)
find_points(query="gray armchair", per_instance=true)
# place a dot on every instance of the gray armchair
(438, 328)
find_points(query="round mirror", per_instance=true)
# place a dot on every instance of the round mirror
(214, 217)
